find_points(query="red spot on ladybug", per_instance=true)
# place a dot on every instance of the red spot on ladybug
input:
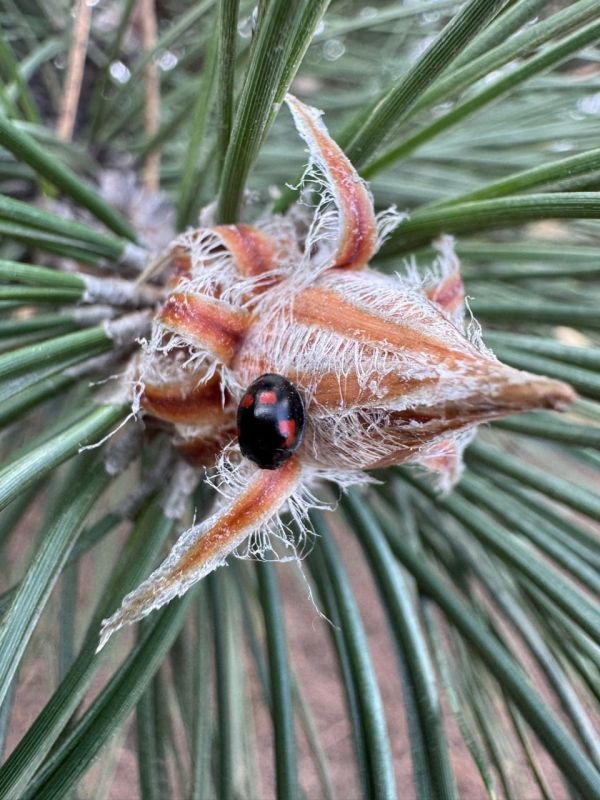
(271, 425)
(287, 428)
(267, 398)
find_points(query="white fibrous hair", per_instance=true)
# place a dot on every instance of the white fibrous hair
(366, 438)
(353, 440)
(387, 221)
(474, 333)
(214, 272)
(395, 300)
(323, 235)
(168, 356)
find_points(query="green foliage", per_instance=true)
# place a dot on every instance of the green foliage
(480, 119)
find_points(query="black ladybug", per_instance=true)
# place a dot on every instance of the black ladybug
(270, 420)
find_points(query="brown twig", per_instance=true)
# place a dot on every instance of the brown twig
(152, 105)
(76, 65)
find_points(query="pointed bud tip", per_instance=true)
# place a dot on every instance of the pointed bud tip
(537, 392)
(556, 394)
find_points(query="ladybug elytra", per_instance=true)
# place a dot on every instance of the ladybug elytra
(270, 421)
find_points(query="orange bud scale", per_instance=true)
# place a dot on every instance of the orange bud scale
(205, 322)
(381, 365)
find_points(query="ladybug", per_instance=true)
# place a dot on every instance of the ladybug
(270, 420)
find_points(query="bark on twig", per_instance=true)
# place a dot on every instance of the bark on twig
(75, 68)
(152, 86)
